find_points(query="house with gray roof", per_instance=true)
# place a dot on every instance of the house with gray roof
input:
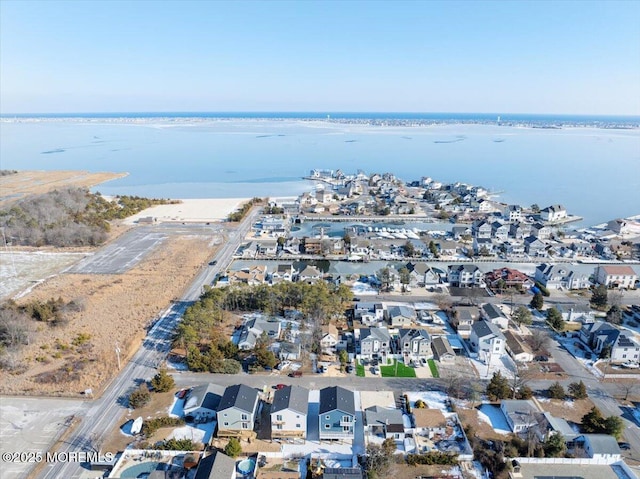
(534, 246)
(237, 410)
(520, 414)
(337, 414)
(465, 276)
(401, 316)
(384, 422)
(253, 328)
(493, 314)
(289, 412)
(201, 403)
(342, 473)
(415, 344)
(442, 350)
(463, 318)
(557, 276)
(601, 447)
(487, 339)
(374, 341)
(550, 425)
(216, 466)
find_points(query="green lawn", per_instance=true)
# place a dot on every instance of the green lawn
(359, 370)
(397, 370)
(434, 368)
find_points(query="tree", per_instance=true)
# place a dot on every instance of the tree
(599, 297)
(378, 459)
(140, 397)
(409, 249)
(162, 382)
(537, 302)
(233, 448)
(522, 315)
(344, 357)
(614, 315)
(614, 426)
(555, 446)
(539, 340)
(535, 208)
(521, 377)
(384, 276)
(420, 404)
(593, 421)
(605, 352)
(433, 249)
(554, 318)
(556, 391)
(578, 390)
(405, 277)
(627, 388)
(498, 387)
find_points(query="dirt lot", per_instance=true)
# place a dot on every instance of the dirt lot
(24, 183)
(469, 417)
(67, 359)
(570, 410)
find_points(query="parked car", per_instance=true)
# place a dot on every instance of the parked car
(349, 369)
(281, 386)
(544, 359)
(182, 393)
(625, 446)
(295, 374)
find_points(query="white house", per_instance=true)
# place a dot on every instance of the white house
(415, 344)
(465, 275)
(330, 337)
(374, 341)
(553, 213)
(520, 414)
(201, 403)
(289, 412)
(486, 338)
(429, 422)
(616, 276)
(557, 276)
(518, 349)
(401, 315)
(601, 447)
(384, 422)
(491, 313)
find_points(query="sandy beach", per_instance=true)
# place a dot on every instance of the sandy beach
(190, 210)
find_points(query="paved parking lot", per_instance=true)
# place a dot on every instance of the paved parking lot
(121, 255)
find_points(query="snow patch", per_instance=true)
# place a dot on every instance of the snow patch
(494, 416)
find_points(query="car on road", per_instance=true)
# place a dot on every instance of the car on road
(625, 446)
(280, 386)
(213, 263)
(295, 374)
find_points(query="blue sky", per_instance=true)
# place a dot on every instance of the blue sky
(505, 57)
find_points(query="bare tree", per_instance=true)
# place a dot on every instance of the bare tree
(521, 376)
(628, 388)
(539, 339)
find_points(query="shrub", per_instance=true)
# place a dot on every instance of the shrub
(556, 391)
(152, 425)
(162, 382)
(233, 448)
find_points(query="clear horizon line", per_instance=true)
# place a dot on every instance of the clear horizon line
(316, 112)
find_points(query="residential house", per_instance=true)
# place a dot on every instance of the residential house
(423, 275)
(601, 447)
(330, 337)
(324, 196)
(520, 414)
(283, 272)
(237, 411)
(287, 351)
(465, 276)
(513, 213)
(337, 414)
(401, 316)
(487, 340)
(384, 422)
(201, 402)
(508, 278)
(309, 274)
(621, 344)
(447, 247)
(429, 422)
(553, 213)
(561, 276)
(253, 329)
(374, 341)
(267, 247)
(549, 425)
(620, 226)
(442, 350)
(540, 230)
(616, 276)
(517, 349)
(484, 247)
(463, 318)
(481, 229)
(493, 314)
(499, 231)
(289, 412)
(534, 246)
(459, 232)
(415, 344)
(250, 275)
(519, 230)
(216, 466)
(368, 313)
(582, 247)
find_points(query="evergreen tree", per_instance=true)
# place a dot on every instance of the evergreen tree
(233, 448)
(555, 446)
(578, 390)
(554, 318)
(522, 315)
(556, 391)
(614, 426)
(537, 302)
(593, 422)
(162, 382)
(599, 297)
(498, 387)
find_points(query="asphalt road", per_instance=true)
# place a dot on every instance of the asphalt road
(103, 413)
